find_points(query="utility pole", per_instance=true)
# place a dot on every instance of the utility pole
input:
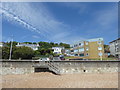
(11, 48)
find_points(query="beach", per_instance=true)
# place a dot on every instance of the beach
(50, 80)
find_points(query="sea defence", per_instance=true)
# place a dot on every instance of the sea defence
(58, 67)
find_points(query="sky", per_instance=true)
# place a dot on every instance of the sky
(65, 22)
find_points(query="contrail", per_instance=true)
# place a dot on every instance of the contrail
(22, 22)
(39, 21)
(19, 20)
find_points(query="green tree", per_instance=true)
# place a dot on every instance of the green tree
(51, 43)
(56, 44)
(45, 51)
(9, 43)
(17, 52)
(23, 53)
(64, 45)
(28, 42)
(37, 53)
(5, 52)
(34, 43)
(107, 48)
(0, 52)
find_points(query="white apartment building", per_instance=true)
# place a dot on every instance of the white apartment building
(115, 48)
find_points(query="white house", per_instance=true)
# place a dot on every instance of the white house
(2, 44)
(32, 46)
(58, 50)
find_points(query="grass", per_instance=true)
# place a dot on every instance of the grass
(74, 57)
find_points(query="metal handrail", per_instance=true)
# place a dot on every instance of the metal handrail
(54, 67)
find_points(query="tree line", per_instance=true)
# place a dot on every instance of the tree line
(23, 52)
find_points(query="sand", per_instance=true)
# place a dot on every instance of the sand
(50, 80)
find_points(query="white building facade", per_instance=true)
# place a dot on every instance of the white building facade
(2, 44)
(32, 46)
(115, 48)
(58, 50)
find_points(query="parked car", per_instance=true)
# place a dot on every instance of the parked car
(44, 59)
(62, 57)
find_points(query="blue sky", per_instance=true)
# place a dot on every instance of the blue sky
(59, 22)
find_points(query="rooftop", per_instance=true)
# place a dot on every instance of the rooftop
(115, 40)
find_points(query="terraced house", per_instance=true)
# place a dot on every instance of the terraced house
(92, 48)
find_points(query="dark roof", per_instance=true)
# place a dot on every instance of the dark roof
(115, 40)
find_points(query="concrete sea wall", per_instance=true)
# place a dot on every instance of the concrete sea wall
(88, 66)
(65, 67)
(16, 67)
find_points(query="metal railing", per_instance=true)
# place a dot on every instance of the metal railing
(54, 67)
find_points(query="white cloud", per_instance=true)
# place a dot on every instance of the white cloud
(36, 37)
(6, 39)
(81, 7)
(107, 17)
(36, 18)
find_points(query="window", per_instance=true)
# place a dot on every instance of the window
(81, 50)
(100, 54)
(86, 43)
(87, 54)
(82, 44)
(81, 55)
(76, 54)
(99, 48)
(99, 42)
(87, 48)
(79, 43)
(75, 50)
(116, 49)
(74, 45)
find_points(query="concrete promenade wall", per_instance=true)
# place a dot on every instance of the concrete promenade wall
(25, 66)
(16, 67)
(88, 66)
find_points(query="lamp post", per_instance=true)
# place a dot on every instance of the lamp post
(11, 48)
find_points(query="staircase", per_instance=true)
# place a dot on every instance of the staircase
(51, 65)
(54, 67)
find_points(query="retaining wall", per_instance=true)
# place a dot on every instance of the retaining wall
(88, 66)
(16, 67)
(25, 66)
